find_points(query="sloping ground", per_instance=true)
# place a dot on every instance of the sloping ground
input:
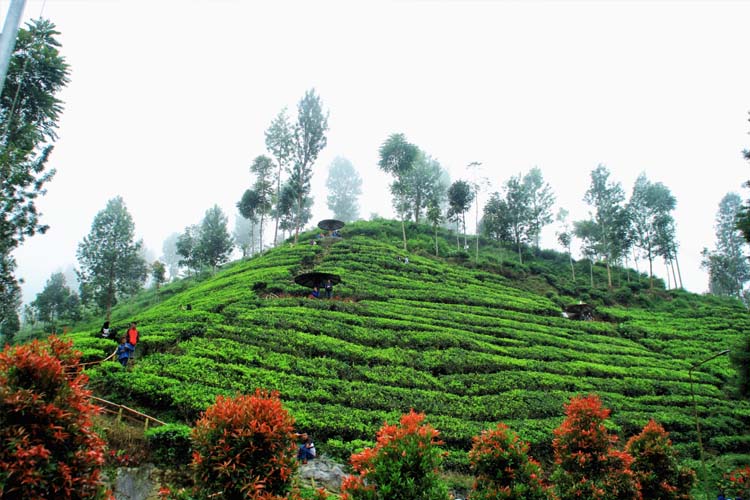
(462, 345)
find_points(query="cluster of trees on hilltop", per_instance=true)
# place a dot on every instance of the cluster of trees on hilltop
(294, 147)
(616, 229)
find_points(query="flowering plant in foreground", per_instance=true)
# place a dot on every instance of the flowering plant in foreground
(655, 465)
(403, 465)
(503, 469)
(244, 447)
(587, 464)
(49, 449)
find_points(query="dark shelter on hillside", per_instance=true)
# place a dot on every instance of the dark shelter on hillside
(580, 311)
(332, 227)
(316, 279)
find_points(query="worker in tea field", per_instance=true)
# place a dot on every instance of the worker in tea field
(306, 449)
(329, 289)
(315, 294)
(124, 351)
(132, 336)
(105, 330)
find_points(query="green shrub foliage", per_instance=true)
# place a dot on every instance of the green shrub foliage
(244, 447)
(403, 465)
(48, 448)
(170, 444)
(736, 483)
(587, 464)
(503, 469)
(655, 465)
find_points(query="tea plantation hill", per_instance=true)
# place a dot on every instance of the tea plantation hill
(468, 345)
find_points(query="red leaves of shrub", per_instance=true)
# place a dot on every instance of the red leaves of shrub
(49, 448)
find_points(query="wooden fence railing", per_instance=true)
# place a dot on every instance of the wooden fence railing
(121, 411)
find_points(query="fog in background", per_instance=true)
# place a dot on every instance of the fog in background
(168, 102)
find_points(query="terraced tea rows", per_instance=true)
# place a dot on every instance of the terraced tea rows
(464, 346)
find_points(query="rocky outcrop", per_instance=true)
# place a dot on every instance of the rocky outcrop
(136, 483)
(322, 472)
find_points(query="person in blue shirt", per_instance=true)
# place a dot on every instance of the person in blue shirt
(124, 351)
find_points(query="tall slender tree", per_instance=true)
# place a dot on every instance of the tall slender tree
(516, 202)
(280, 143)
(214, 242)
(244, 235)
(170, 257)
(397, 156)
(263, 188)
(650, 207)
(540, 199)
(496, 223)
(29, 112)
(56, 302)
(606, 198)
(187, 248)
(309, 139)
(344, 187)
(421, 183)
(728, 266)
(565, 237)
(248, 208)
(460, 197)
(478, 183)
(110, 259)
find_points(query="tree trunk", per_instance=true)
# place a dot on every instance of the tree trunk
(297, 219)
(609, 274)
(260, 235)
(252, 238)
(572, 269)
(679, 274)
(110, 292)
(466, 244)
(417, 206)
(436, 243)
(669, 279)
(403, 231)
(278, 194)
(650, 270)
(591, 272)
(520, 257)
(476, 226)
(674, 276)
(458, 234)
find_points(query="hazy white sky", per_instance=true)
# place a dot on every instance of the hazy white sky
(168, 102)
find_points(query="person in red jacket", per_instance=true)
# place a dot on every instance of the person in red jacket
(131, 337)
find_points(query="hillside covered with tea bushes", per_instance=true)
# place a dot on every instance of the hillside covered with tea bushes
(469, 345)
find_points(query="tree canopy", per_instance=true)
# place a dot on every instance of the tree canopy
(344, 187)
(29, 112)
(111, 265)
(728, 267)
(309, 139)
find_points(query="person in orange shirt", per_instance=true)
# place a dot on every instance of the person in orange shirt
(131, 338)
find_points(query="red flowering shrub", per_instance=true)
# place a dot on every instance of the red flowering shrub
(48, 448)
(244, 447)
(503, 469)
(403, 465)
(655, 465)
(736, 484)
(587, 465)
